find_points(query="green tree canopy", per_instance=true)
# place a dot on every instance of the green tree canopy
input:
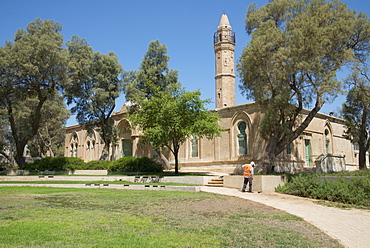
(32, 69)
(297, 46)
(170, 117)
(95, 85)
(153, 74)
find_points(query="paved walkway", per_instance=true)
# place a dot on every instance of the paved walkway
(350, 227)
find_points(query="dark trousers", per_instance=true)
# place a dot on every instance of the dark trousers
(246, 181)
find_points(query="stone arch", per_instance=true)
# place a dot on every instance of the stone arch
(73, 145)
(241, 134)
(124, 128)
(90, 144)
(125, 146)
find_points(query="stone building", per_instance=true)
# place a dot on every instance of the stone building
(322, 143)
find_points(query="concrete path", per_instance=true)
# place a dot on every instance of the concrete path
(350, 227)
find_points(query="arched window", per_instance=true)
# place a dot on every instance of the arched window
(90, 146)
(242, 138)
(74, 146)
(327, 141)
(194, 146)
(126, 139)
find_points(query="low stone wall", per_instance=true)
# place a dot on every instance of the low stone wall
(260, 183)
(90, 172)
(26, 172)
(196, 180)
(327, 163)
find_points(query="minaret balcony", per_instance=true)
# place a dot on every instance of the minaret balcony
(219, 37)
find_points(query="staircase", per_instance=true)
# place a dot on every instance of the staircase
(216, 182)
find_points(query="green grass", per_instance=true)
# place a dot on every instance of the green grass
(92, 182)
(59, 217)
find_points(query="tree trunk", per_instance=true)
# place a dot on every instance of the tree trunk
(176, 154)
(163, 158)
(19, 158)
(176, 164)
(362, 143)
(269, 156)
(362, 158)
(104, 155)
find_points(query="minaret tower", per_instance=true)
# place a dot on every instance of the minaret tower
(224, 45)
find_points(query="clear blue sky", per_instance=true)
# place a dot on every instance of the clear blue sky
(126, 27)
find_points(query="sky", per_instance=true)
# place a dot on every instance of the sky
(126, 27)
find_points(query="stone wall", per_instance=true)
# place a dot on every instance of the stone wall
(327, 163)
(260, 183)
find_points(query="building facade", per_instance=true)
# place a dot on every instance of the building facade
(322, 143)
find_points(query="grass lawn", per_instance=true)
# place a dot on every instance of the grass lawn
(93, 182)
(62, 217)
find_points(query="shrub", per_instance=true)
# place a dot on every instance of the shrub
(97, 165)
(131, 164)
(125, 164)
(55, 164)
(148, 165)
(67, 164)
(355, 191)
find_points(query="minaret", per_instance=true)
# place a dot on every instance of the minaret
(224, 45)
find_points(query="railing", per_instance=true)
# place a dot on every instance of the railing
(218, 37)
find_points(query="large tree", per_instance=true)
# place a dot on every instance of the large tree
(356, 111)
(95, 85)
(152, 77)
(33, 68)
(297, 47)
(168, 118)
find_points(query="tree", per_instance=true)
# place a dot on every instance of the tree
(153, 74)
(49, 140)
(32, 69)
(291, 62)
(168, 118)
(94, 87)
(152, 77)
(6, 142)
(356, 112)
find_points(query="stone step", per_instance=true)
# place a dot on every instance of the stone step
(214, 185)
(216, 182)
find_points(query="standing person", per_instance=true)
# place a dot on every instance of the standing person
(248, 176)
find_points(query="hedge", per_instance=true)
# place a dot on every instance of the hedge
(131, 164)
(55, 164)
(125, 164)
(355, 191)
